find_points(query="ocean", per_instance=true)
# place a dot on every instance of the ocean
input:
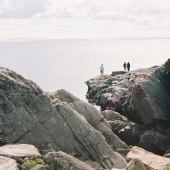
(68, 63)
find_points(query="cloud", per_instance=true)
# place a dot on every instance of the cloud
(84, 17)
(58, 12)
(21, 8)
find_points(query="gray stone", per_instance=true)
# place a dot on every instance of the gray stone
(134, 164)
(28, 117)
(18, 151)
(93, 117)
(150, 160)
(8, 164)
(154, 142)
(95, 144)
(61, 160)
(144, 99)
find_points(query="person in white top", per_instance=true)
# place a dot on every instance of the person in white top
(101, 70)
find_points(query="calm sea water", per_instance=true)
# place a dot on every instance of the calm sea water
(68, 64)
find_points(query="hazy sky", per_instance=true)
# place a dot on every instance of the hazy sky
(84, 18)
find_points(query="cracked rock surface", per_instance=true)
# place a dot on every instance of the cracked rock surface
(143, 97)
(8, 164)
(28, 117)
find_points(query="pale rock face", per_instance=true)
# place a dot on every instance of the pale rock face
(8, 164)
(65, 161)
(134, 164)
(149, 159)
(91, 142)
(18, 151)
(93, 117)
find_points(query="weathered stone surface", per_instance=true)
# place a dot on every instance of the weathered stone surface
(149, 159)
(150, 100)
(94, 165)
(93, 116)
(142, 96)
(18, 151)
(61, 160)
(28, 117)
(8, 164)
(22, 106)
(112, 115)
(91, 142)
(152, 141)
(134, 164)
(129, 132)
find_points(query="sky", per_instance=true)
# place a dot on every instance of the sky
(59, 19)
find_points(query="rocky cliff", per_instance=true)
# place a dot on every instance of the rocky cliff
(70, 125)
(143, 98)
(69, 133)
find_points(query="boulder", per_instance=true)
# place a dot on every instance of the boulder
(150, 100)
(154, 142)
(19, 151)
(8, 164)
(61, 160)
(134, 164)
(112, 115)
(129, 132)
(89, 142)
(93, 117)
(150, 160)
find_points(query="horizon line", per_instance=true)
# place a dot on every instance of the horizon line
(29, 39)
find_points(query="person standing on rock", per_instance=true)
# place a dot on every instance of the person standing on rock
(128, 66)
(101, 70)
(124, 65)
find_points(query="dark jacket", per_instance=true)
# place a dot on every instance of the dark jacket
(111, 104)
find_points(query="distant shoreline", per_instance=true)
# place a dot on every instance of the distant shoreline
(41, 39)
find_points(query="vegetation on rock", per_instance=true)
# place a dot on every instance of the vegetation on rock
(167, 167)
(3, 141)
(29, 163)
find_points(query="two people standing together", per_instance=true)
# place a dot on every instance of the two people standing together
(126, 66)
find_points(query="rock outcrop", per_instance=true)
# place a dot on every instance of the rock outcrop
(143, 97)
(65, 161)
(19, 151)
(8, 164)
(86, 138)
(150, 160)
(93, 117)
(71, 125)
(138, 159)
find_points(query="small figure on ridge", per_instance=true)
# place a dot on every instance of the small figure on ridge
(124, 65)
(128, 66)
(101, 70)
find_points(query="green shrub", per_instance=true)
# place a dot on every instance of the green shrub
(167, 167)
(3, 141)
(30, 163)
